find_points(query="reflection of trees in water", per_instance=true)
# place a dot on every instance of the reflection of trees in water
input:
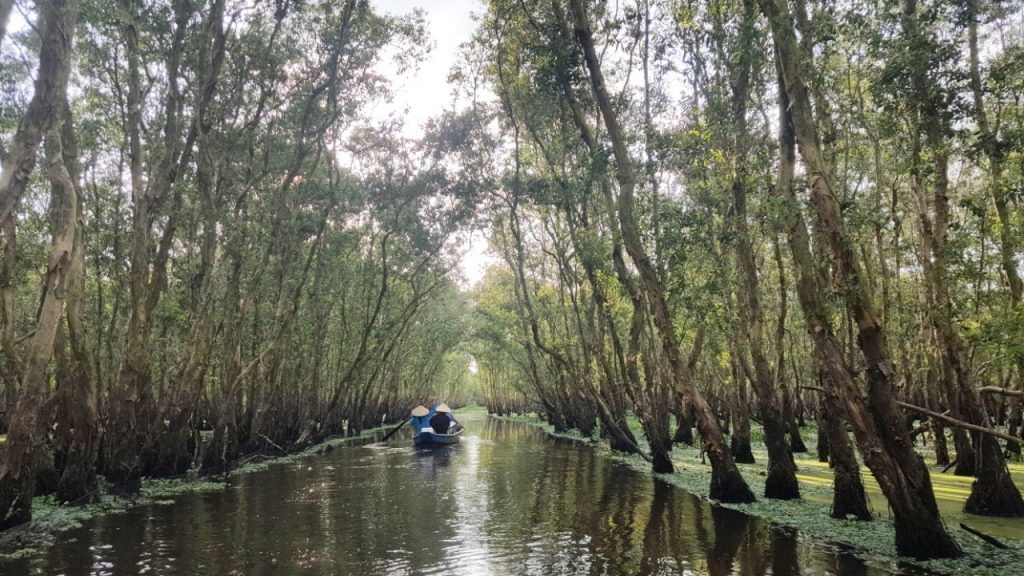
(731, 529)
(718, 534)
(513, 432)
(662, 534)
(755, 553)
(603, 517)
(785, 561)
(847, 565)
(622, 513)
(540, 507)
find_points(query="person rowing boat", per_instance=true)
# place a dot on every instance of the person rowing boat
(436, 425)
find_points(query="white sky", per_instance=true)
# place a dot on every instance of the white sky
(423, 93)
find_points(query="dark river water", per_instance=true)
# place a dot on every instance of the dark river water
(507, 500)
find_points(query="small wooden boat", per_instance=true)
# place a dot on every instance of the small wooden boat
(426, 422)
(427, 437)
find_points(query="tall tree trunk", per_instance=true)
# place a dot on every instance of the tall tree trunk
(727, 484)
(821, 420)
(739, 444)
(877, 424)
(77, 436)
(848, 497)
(10, 368)
(632, 386)
(792, 420)
(26, 432)
(132, 411)
(993, 492)
(17, 165)
(780, 482)
(177, 444)
(938, 430)
(995, 152)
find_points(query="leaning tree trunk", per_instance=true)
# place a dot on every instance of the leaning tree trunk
(727, 484)
(177, 443)
(78, 431)
(651, 409)
(848, 497)
(26, 433)
(877, 424)
(609, 400)
(993, 492)
(780, 482)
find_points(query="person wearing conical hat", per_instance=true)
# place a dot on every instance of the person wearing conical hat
(444, 421)
(441, 421)
(420, 418)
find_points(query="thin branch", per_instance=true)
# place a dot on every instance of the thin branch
(1002, 391)
(272, 443)
(958, 423)
(944, 418)
(983, 536)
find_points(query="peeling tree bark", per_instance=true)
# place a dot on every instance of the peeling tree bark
(25, 438)
(877, 423)
(78, 429)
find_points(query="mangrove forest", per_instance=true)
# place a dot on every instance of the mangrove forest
(657, 283)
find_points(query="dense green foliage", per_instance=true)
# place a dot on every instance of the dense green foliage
(262, 265)
(705, 212)
(882, 267)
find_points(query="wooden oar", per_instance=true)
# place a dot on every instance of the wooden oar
(389, 434)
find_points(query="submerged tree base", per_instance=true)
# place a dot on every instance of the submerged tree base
(741, 451)
(731, 489)
(1002, 500)
(781, 486)
(51, 518)
(849, 500)
(870, 541)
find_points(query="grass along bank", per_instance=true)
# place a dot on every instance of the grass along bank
(873, 541)
(50, 518)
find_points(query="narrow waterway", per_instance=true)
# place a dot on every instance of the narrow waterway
(507, 500)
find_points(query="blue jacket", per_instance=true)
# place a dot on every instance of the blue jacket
(421, 422)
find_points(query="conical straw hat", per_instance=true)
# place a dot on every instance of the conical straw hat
(420, 411)
(444, 408)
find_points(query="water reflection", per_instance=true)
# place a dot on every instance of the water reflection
(507, 500)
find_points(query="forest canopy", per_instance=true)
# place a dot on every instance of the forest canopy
(703, 213)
